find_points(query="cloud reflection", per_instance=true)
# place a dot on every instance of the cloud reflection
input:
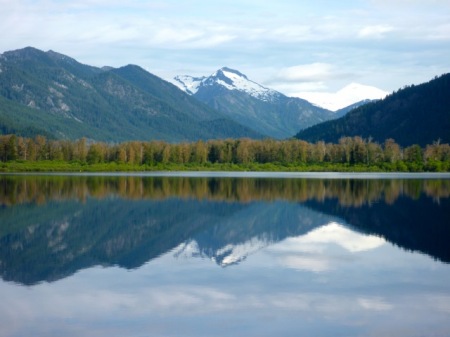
(312, 251)
(332, 233)
(374, 303)
(167, 299)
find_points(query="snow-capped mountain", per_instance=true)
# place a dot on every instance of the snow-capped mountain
(228, 78)
(264, 110)
(350, 94)
(231, 79)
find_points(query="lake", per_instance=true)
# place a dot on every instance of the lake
(225, 254)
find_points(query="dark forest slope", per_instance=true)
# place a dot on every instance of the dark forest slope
(413, 115)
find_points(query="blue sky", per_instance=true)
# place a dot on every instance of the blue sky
(291, 46)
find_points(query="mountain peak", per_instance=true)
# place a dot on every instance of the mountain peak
(348, 95)
(230, 72)
(368, 91)
(24, 53)
(229, 79)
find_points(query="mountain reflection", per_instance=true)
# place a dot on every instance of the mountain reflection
(53, 226)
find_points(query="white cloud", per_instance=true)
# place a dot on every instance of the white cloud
(440, 32)
(306, 73)
(292, 89)
(312, 77)
(303, 77)
(377, 31)
(309, 45)
(291, 33)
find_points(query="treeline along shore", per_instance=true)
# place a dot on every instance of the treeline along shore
(349, 154)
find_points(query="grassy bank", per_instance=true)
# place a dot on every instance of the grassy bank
(63, 166)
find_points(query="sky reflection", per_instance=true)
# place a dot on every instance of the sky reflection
(331, 279)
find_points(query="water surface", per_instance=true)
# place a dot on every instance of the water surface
(98, 255)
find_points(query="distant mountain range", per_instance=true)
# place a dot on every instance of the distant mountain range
(351, 94)
(52, 94)
(413, 115)
(244, 101)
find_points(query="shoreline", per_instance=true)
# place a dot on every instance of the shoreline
(245, 174)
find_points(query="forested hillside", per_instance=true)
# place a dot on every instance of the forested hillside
(54, 95)
(413, 115)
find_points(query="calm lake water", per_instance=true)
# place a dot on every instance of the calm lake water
(225, 255)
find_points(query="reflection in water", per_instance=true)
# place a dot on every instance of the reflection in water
(297, 257)
(349, 192)
(422, 224)
(307, 252)
(52, 227)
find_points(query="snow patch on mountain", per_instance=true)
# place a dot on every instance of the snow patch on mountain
(187, 83)
(225, 256)
(228, 78)
(233, 254)
(350, 94)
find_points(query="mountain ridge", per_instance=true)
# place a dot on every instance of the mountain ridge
(416, 114)
(249, 103)
(72, 100)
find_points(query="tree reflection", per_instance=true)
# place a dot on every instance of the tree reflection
(53, 226)
(349, 192)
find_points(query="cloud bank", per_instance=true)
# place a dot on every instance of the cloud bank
(289, 44)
